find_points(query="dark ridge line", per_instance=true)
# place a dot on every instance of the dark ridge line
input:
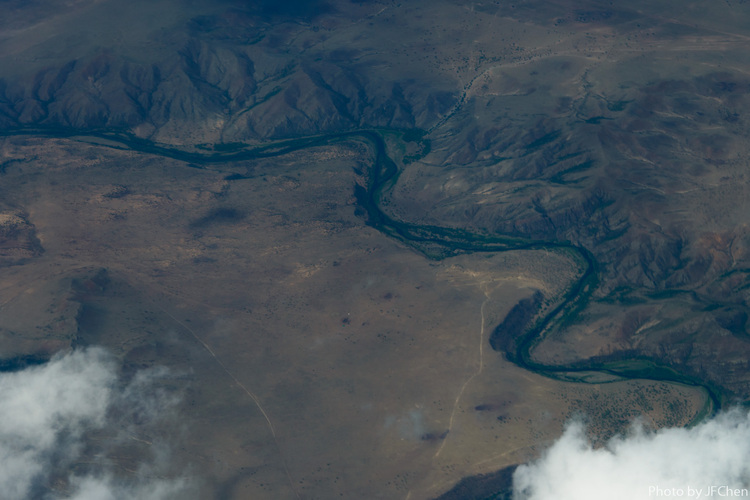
(19, 363)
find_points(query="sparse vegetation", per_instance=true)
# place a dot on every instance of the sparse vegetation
(228, 164)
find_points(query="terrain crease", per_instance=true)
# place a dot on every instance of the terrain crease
(471, 377)
(247, 391)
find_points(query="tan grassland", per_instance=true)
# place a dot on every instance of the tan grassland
(316, 357)
(313, 356)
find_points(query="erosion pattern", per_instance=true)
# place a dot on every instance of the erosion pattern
(612, 135)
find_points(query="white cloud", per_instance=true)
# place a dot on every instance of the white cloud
(710, 460)
(46, 413)
(105, 488)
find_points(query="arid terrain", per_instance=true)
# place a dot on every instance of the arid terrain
(378, 247)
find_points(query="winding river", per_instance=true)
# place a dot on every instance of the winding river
(434, 242)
